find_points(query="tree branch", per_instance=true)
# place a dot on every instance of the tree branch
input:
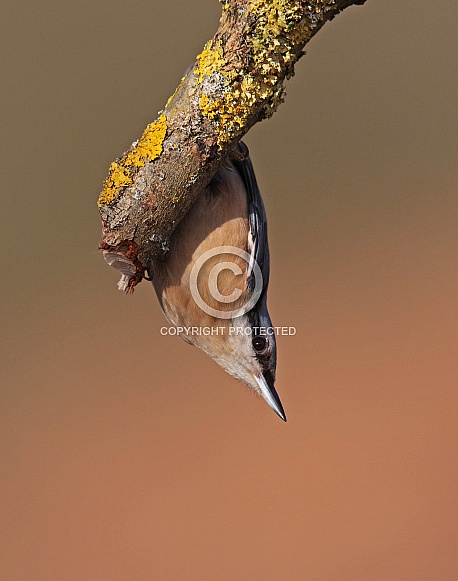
(236, 81)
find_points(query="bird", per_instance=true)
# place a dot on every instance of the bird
(212, 283)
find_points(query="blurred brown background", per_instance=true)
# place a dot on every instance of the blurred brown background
(128, 456)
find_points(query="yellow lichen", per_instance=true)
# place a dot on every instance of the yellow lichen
(230, 112)
(277, 29)
(149, 146)
(175, 92)
(121, 172)
(223, 110)
(210, 60)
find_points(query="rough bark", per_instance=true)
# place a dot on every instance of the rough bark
(236, 81)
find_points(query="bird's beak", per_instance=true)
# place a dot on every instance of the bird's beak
(271, 396)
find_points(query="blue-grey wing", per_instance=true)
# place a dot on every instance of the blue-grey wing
(258, 248)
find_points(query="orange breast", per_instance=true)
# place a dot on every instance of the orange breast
(218, 219)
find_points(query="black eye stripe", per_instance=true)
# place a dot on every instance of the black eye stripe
(259, 343)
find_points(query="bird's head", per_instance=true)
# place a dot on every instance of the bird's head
(246, 349)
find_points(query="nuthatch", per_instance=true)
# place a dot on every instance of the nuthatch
(212, 283)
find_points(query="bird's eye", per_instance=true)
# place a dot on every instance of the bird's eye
(259, 343)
